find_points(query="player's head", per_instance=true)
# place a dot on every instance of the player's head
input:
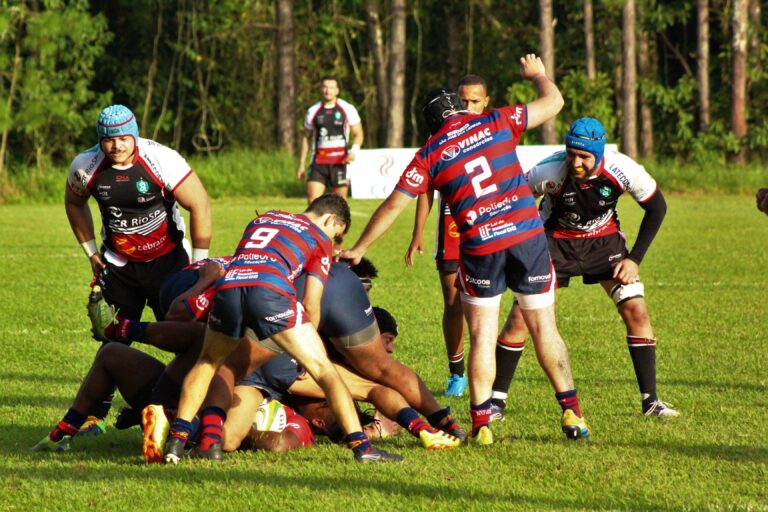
(329, 88)
(118, 133)
(366, 271)
(439, 104)
(319, 416)
(585, 145)
(473, 93)
(387, 328)
(330, 212)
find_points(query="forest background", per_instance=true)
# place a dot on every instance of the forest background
(679, 83)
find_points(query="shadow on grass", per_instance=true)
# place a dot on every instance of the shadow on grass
(37, 379)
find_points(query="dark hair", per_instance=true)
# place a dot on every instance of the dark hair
(472, 80)
(365, 268)
(386, 321)
(333, 204)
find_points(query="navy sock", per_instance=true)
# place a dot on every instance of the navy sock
(481, 415)
(569, 400)
(410, 420)
(358, 442)
(181, 429)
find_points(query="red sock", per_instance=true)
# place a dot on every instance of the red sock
(481, 415)
(213, 425)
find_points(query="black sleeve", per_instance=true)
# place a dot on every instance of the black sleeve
(655, 210)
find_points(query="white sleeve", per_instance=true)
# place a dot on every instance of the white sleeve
(166, 164)
(82, 169)
(632, 176)
(353, 116)
(547, 176)
(311, 111)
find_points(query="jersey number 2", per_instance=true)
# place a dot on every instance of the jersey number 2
(261, 237)
(482, 166)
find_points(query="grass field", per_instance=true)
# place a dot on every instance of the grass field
(705, 284)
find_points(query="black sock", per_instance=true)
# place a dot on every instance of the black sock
(643, 353)
(456, 364)
(508, 354)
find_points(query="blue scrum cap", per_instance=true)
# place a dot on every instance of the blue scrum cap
(116, 121)
(587, 134)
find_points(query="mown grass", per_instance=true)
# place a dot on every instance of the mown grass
(705, 285)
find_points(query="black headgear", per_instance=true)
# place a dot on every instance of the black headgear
(438, 105)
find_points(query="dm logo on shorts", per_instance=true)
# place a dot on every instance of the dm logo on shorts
(142, 186)
(605, 191)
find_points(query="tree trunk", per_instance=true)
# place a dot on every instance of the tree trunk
(645, 68)
(589, 38)
(12, 89)
(376, 40)
(547, 50)
(286, 84)
(739, 74)
(152, 71)
(754, 37)
(454, 40)
(396, 114)
(629, 100)
(702, 62)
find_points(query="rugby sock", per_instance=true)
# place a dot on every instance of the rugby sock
(481, 415)
(456, 364)
(358, 442)
(68, 426)
(508, 354)
(643, 353)
(569, 400)
(212, 420)
(102, 409)
(409, 419)
(181, 429)
(126, 330)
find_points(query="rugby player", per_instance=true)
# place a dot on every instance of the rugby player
(581, 187)
(471, 160)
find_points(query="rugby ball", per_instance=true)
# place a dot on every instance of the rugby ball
(270, 417)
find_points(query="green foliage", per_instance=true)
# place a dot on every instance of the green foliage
(584, 97)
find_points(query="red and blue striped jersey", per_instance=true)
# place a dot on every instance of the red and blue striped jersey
(276, 248)
(473, 163)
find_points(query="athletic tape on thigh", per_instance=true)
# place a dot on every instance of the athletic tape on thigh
(480, 301)
(536, 301)
(623, 292)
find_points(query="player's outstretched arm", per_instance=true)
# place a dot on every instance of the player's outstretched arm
(550, 102)
(381, 220)
(423, 207)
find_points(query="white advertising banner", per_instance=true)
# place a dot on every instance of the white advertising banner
(375, 172)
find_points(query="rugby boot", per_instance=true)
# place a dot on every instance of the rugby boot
(376, 455)
(174, 450)
(93, 426)
(451, 427)
(456, 385)
(156, 427)
(484, 436)
(497, 409)
(573, 426)
(214, 452)
(433, 439)
(660, 409)
(46, 445)
(102, 315)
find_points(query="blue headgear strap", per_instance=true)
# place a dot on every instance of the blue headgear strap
(587, 134)
(115, 121)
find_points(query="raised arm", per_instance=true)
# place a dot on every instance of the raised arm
(549, 101)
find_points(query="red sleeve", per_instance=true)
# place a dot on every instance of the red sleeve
(319, 264)
(199, 306)
(515, 117)
(415, 180)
